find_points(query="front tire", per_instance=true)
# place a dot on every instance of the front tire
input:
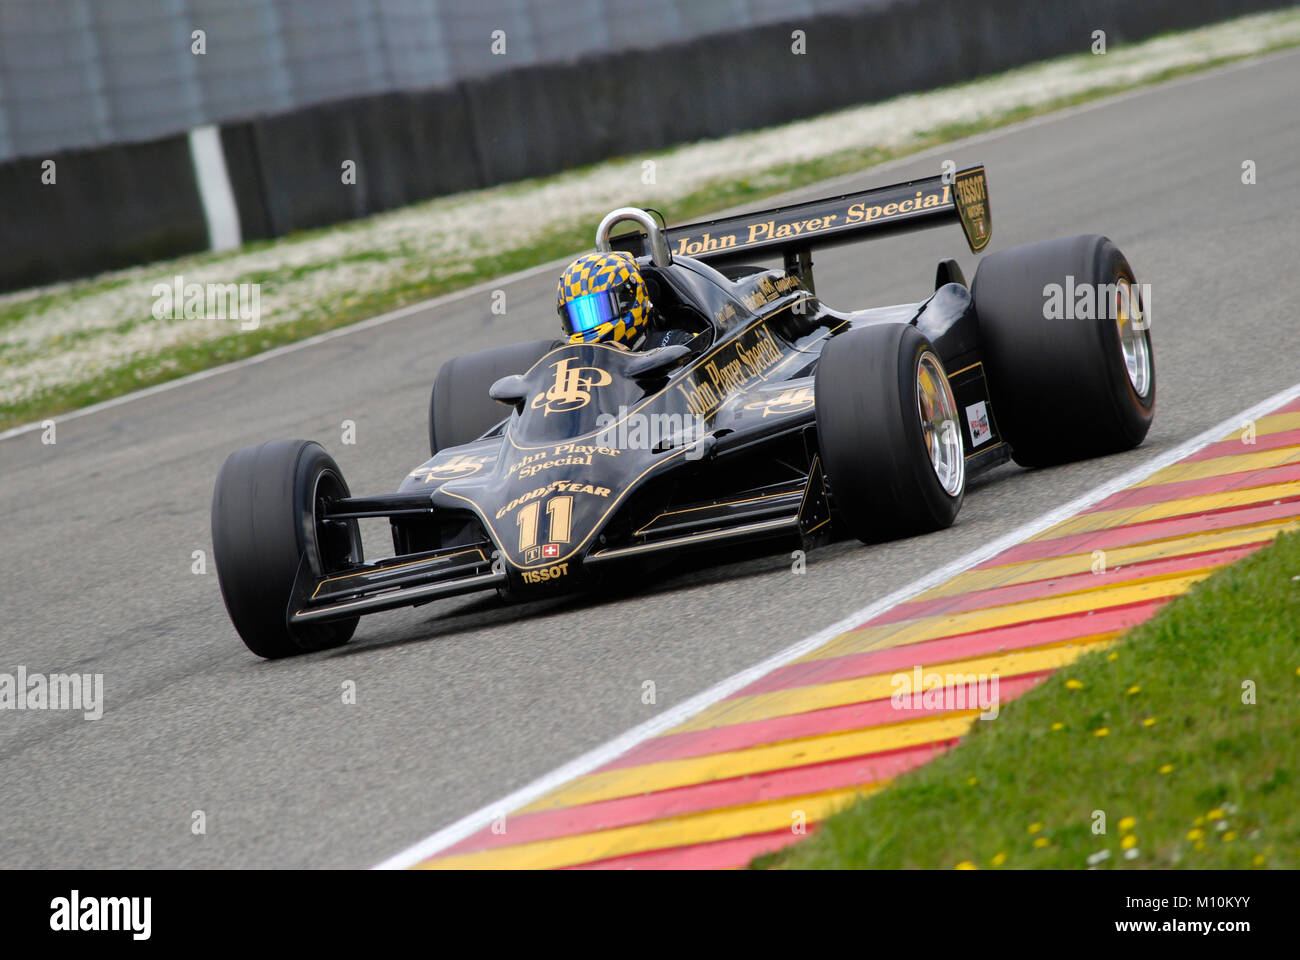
(460, 409)
(888, 433)
(1064, 389)
(265, 517)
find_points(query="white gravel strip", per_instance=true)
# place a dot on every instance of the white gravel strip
(56, 336)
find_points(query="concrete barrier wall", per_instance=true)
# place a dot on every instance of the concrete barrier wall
(542, 119)
(286, 170)
(109, 207)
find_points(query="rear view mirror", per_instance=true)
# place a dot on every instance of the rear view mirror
(511, 390)
(658, 361)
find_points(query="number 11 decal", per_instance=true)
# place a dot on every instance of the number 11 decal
(560, 512)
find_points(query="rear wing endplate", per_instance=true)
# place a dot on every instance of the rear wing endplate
(794, 231)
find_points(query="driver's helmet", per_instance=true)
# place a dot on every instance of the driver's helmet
(602, 298)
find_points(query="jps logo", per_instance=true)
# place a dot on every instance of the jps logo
(571, 389)
(788, 401)
(458, 466)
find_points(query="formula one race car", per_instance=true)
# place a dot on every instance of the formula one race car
(555, 465)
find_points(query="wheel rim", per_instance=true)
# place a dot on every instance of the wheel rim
(338, 542)
(1133, 344)
(939, 430)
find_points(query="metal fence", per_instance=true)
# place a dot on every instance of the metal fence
(84, 73)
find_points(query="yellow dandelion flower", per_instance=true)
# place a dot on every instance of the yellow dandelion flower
(1058, 725)
(999, 859)
(1073, 685)
(1195, 833)
(1230, 836)
(1101, 732)
(1259, 860)
(1126, 824)
(1133, 689)
(971, 781)
(1113, 656)
(1035, 827)
(1129, 842)
(1040, 842)
(1215, 814)
(965, 865)
(1167, 768)
(1149, 722)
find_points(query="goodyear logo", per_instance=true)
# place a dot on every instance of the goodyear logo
(555, 486)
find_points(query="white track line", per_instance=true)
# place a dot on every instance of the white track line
(552, 266)
(603, 754)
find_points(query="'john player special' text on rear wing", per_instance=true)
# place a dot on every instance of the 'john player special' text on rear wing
(794, 231)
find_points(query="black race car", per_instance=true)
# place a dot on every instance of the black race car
(555, 465)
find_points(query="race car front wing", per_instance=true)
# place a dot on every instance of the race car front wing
(797, 509)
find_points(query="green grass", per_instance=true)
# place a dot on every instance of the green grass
(566, 238)
(1209, 779)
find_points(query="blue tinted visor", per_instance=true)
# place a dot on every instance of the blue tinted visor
(588, 312)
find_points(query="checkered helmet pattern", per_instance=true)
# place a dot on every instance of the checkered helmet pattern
(596, 273)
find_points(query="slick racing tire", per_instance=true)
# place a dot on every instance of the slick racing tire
(888, 432)
(1065, 389)
(460, 409)
(265, 517)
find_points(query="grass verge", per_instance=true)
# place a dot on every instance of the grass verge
(1196, 767)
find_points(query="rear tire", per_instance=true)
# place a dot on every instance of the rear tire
(264, 518)
(460, 409)
(878, 454)
(1062, 389)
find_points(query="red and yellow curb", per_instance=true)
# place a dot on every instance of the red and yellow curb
(739, 778)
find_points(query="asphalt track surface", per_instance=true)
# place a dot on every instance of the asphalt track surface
(460, 702)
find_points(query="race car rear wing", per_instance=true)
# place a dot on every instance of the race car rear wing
(794, 231)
